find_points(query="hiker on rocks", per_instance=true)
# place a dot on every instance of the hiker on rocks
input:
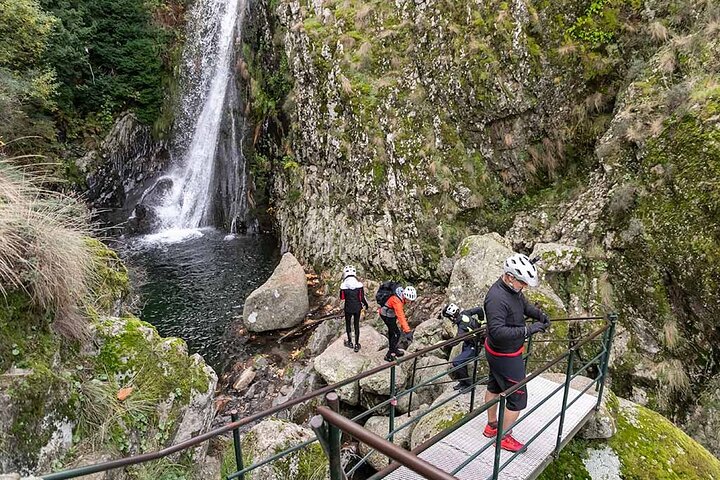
(353, 292)
(391, 297)
(505, 310)
(466, 321)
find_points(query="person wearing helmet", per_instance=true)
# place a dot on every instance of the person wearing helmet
(505, 309)
(393, 314)
(466, 321)
(353, 292)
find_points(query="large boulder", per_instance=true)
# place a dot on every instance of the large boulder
(328, 331)
(445, 416)
(281, 302)
(556, 257)
(647, 446)
(338, 362)
(432, 331)
(272, 436)
(479, 263)
(427, 367)
(379, 384)
(380, 426)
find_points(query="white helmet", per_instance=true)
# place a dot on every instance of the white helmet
(349, 271)
(409, 293)
(520, 267)
(451, 310)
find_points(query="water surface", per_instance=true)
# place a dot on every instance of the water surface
(193, 285)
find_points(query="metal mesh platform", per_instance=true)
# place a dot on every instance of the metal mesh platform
(457, 447)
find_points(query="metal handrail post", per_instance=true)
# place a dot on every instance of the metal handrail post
(334, 434)
(563, 409)
(474, 380)
(237, 444)
(393, 402)
(498, 439)
(528, 352)
(412, 384)
(612, 318)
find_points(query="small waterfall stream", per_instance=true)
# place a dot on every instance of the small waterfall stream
(206, 186)
(192, 276)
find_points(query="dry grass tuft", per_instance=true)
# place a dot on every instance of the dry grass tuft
(361, 16)
(673, 377)
(43, 249)
(671, 333)
(346, 85)
(567, 49)
(668, 61)
(658, 32)
(657, 126)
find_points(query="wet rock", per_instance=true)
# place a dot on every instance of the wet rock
(124, 166)
(245, 379)
(338, 362)
(281, 302)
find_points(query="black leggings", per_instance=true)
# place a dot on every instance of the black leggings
(393, 333)
(348, 317)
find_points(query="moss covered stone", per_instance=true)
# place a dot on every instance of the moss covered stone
(648, 446)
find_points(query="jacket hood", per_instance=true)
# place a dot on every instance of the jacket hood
(350, 283)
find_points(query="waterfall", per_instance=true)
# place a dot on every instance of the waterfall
(206, 186)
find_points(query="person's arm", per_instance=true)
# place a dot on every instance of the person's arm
(477, 311)
(397, 305)
(496, 312)
(342, 294)
(363, 299)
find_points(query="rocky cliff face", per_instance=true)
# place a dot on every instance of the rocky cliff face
(589, 124)
(414, 122)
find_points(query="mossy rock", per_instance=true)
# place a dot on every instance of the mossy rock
(110, 282)
(647, 446)
(272, 436)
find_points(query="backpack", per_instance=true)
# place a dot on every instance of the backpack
(385, 291)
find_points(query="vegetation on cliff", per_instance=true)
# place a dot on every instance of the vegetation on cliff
(76, 381)
(68, 68)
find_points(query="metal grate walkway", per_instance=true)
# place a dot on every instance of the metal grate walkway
(457, 447)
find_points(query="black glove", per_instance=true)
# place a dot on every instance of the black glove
(544, 318)
(537, 327)
(408, 336)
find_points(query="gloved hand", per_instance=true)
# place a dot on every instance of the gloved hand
(408, 336)
(544, 318)
(537, 327)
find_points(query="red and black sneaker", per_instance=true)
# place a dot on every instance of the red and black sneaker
(509, 443)
(490, 431)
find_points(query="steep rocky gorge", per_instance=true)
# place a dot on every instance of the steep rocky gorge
(393, 130)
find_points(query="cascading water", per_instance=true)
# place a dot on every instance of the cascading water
(194, 280)
(207, 187)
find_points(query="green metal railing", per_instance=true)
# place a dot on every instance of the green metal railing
(329, 436)
(385, 445)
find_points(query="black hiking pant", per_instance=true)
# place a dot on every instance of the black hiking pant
(356, 317)
(393, 334)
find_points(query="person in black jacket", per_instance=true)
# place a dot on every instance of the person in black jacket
(505, 310)
(353, 292)
(466, 321)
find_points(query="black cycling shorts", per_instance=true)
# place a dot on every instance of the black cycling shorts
(506, 371)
